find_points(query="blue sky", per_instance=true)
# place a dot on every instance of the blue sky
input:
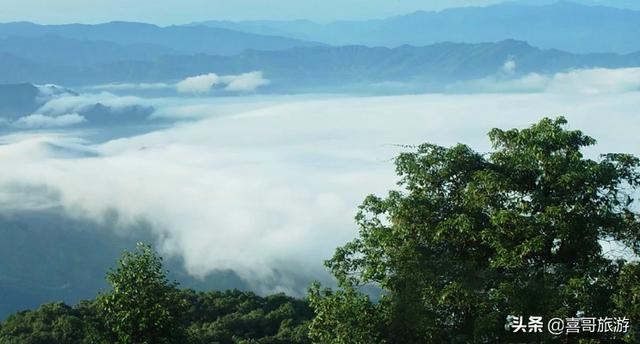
(184, 11)
(166, 12)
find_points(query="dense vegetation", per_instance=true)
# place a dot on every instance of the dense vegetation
(470, 241)
(144, 307)
(212, 317)
(473, 240)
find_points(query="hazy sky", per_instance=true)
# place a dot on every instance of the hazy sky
(166, 12)
(184, 11)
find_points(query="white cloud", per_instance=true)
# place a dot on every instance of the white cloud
(48, 92)
(498, 84)
(175, 108)
(580, 81)
(78, 103)
(277, 187)
(247, 82)
(509, 66)
(198, 84)
(41, 121)
(273, 183)
(132, 87)
(595, 81)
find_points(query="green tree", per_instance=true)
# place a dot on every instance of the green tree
(50, 323)
(472, 239)
(628, 298)
(54, 323)
(345, 316)
(143, 306)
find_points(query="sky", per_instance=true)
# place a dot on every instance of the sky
(165, 12)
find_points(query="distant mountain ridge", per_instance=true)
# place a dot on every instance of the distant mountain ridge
(561, 25)
(304, 69)
(182, 39)
(78, 53)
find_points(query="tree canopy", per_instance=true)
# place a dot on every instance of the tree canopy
(143, 307)
(472, 239)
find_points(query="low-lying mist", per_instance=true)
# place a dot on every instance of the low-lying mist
(267, 186)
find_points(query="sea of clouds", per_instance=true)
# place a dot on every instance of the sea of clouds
(269, 185)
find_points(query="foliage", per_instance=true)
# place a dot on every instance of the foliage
(54, 323)
(144, 307)
(628, 298)
(345, 316)
(472, 239)
(242, 317)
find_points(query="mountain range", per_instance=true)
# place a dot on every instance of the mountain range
(563, 25)
(425, 48)
(324, 68)
(139, 37)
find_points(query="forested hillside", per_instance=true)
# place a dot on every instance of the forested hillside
(212, 317)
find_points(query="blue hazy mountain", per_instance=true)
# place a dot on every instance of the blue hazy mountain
(328, 68)
(76, 52)
(561, 25)
(138, 36)
(47, 256)
(17, 100)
